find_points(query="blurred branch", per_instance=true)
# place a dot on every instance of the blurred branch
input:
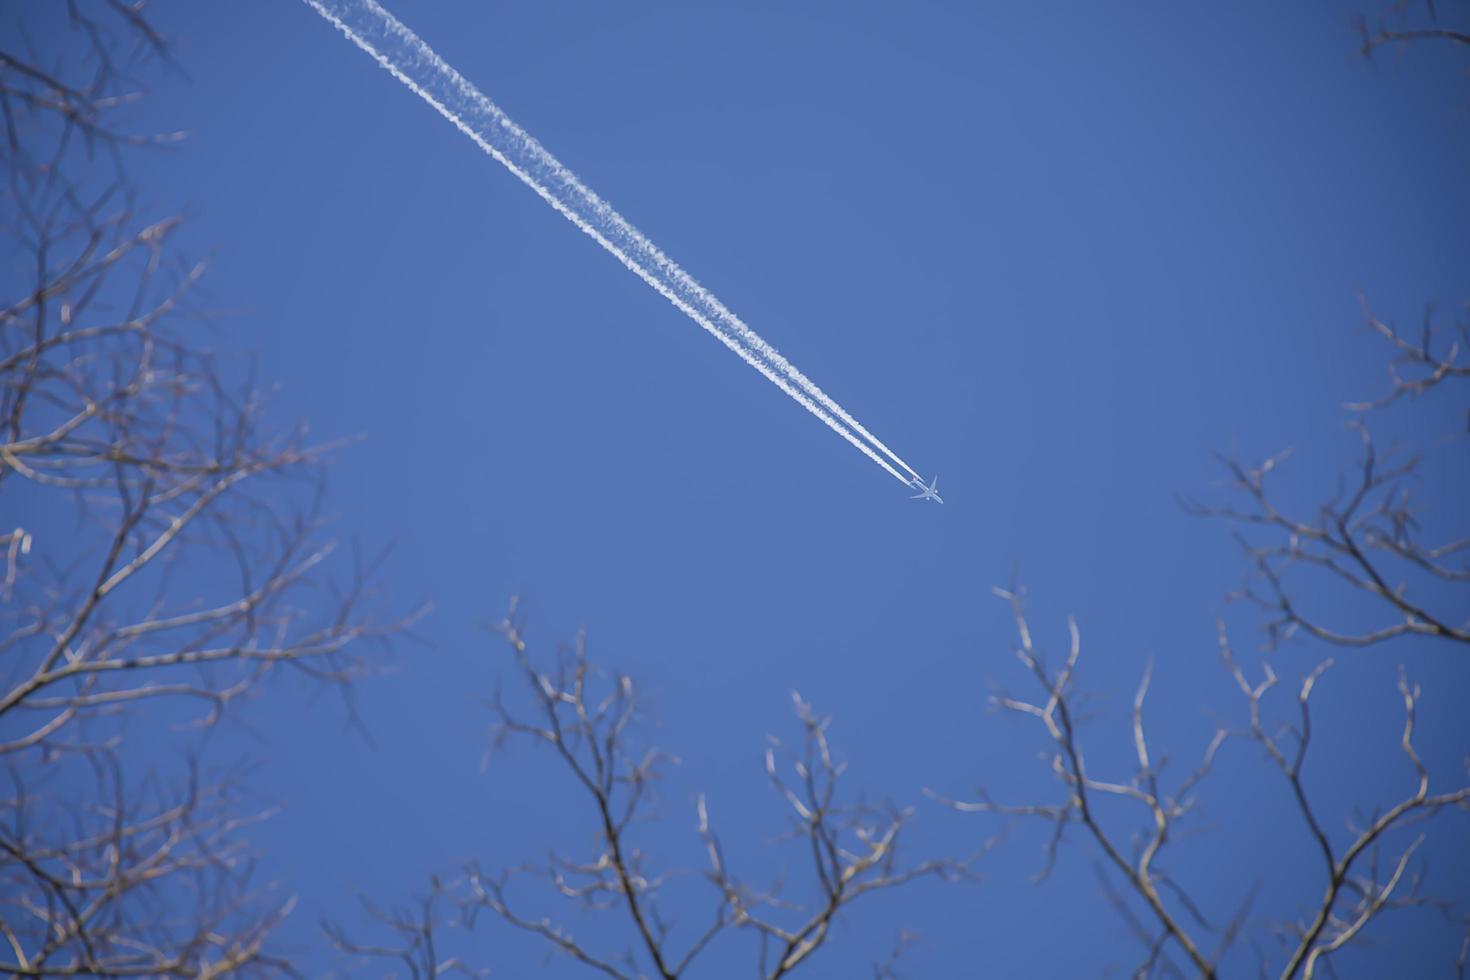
(416, 928)
(137, 882)
(46, 109)
(1419, 365)
(158, 452)
(902, 943)
(1399, 26)
(196, 568)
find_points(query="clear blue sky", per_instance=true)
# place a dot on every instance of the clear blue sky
(1057, 253)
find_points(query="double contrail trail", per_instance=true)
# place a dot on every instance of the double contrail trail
(407, 58)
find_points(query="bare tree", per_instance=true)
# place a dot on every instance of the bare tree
(1369, 540)
(590, 720)
(1356, 887)
(192, 573)
(1368, 537)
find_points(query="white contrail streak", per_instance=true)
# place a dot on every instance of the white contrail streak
(404, 55)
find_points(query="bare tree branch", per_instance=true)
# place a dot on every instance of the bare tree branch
(197, 569)
(416, 928)
(139, 881)
(1418, 365)
(591, 720)
(1367, 538)
(1356, 889)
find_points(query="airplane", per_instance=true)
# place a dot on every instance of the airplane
(926, 492)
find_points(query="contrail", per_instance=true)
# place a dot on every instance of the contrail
(404, 55)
